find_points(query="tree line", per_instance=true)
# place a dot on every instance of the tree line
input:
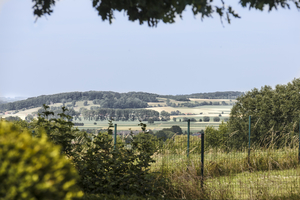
(210, 95)
(196, 103)
(120, 100)
(97, 114)
(108, 99)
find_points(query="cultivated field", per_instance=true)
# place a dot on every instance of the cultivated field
(207, 110)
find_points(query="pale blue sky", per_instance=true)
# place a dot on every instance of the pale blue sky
(74, 50)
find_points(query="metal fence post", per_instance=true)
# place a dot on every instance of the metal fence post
(299, 144)
(188, 138)
(115, 136)
(202, 159)
(249, 138)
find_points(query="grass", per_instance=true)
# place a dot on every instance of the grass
(270, 174)
(277, 184)
(258, 185)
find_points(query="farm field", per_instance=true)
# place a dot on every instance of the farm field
(133, 125)
(193, 112)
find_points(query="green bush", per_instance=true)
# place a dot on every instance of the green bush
(217, 138)
(33, 168)
(118, 171)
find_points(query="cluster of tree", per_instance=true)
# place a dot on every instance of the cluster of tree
(216, 95)
(142, 97)
(78, 124)
(211, 95)
(177, 112)
(274, 115)
(123, 102)
(13, 118)
(196, 103)
(168, 133)
(119, 114)
(57, 110)
(205, 119)
(164, 116)
(175, 97)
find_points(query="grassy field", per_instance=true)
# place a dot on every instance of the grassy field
(208, 110)
(270, 174)
(133, 125)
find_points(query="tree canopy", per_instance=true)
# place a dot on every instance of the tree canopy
(154, 11)
(274, 114)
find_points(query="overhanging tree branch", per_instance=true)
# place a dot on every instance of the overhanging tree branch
(154, 11)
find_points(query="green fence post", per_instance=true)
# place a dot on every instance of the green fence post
(202, 159)
(299, 144)
(188, 138)
(115, 136)
(249, 138)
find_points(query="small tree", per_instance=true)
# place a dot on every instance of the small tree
(216, 119)
(206, 119)
(176, 129)
(193, 120)
(151, 121)
(85, 103)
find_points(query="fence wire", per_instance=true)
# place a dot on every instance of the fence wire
(248, 165)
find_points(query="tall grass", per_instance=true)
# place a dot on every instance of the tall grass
(268, 173)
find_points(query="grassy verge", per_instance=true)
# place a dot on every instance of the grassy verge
(270, 174)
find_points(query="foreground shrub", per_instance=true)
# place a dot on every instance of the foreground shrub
(119, 171)
(33, 168)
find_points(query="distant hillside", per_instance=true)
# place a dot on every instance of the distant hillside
(109, 99)
(105, 99)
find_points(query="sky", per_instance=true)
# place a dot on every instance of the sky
(74, 50)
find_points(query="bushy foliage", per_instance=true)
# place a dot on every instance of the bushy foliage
(217, 138)
(60, 130)
(104, 168)
(33, 168)
(119, 170)
(274, 115)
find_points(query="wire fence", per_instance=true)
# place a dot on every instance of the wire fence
(238, 165)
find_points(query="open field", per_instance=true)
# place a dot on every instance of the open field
(207, 110)
(133, 125)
